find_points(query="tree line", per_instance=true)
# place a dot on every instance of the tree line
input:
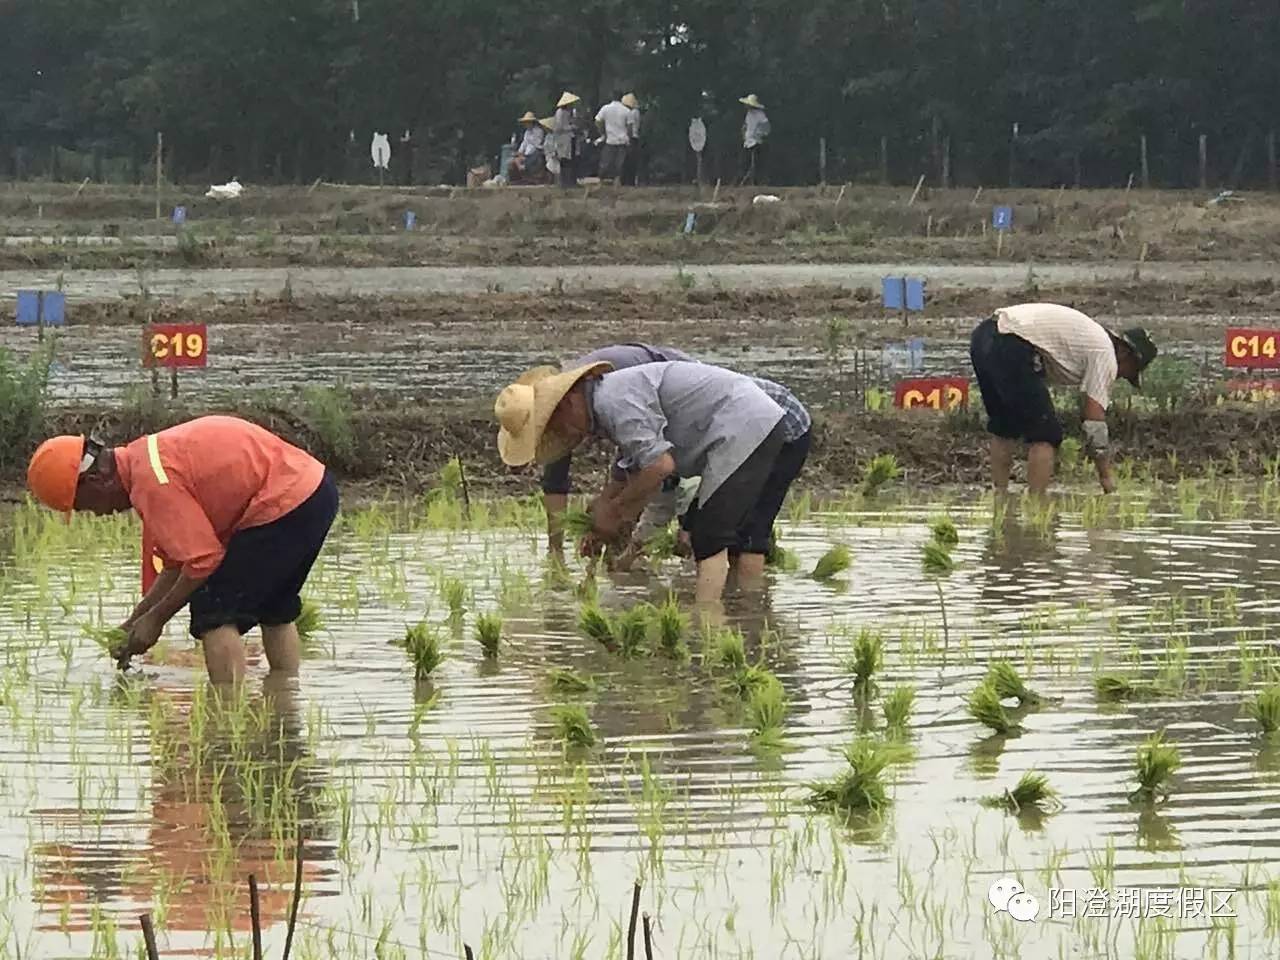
(1035, 92)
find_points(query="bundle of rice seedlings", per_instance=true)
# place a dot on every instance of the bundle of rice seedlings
(310, 621)
(631, 629)
(767, 708)
(1032, 792)
(1114, 687)
(897, 707)
(673, 625)
(730, 649)
(944, 532)
(866, 657)
(594, 624)
(1156, 762)
(835, 561)
(566, 681)
(454, 592)
(1264, 709)
(573, 726)
(112, 640)
(423, 646)
(577, 522)
(489, 633)
(880, 471)
(985, 707)
(936, 559)
(746, 679)
(1008, 685)
(778, 556)
(860, 787)
(662, 545)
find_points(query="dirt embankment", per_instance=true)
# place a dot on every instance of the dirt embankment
(362, 226)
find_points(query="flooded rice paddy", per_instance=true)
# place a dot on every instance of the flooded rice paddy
(450, 811)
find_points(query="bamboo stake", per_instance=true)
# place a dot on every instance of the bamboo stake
(635, 916)
(297, 898)
(255, 917)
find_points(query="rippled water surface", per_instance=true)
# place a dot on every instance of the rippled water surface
(449, 812)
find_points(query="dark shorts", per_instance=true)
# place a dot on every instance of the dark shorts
(719, 523)
(756, 533)
(1013, 387)
(612, 157)
(261, 577)
(555, 476)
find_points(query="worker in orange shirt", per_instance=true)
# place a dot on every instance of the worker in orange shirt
(237, 515)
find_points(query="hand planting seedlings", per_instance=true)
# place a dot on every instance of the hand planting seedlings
(489, 633)
(1032, 793)
(832, 563)
(1157, 761)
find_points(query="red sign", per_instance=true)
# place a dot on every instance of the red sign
(152, 565)
(932, 393)
(175, 345)
(1258, 349)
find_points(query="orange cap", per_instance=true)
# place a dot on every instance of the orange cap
(55, 470)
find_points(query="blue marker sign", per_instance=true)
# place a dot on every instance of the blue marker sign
(35, 306)
(915, 293)
(1002, 218)
(689, 221)
(179, 215)
(410, 219)
(902, 293)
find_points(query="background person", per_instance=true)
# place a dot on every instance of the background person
(560, 144)
(755, 132)
(237, 515)
(632, 169)
(528, 161)
(1018, 351)
(614, 121)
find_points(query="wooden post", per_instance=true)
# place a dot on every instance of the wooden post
(149, 937)
(822, 161)
(40, 315)
(1204, 161)
(297, 898)
(173, 383)
(255, 917)
(635, 917)
(648, 938)
(698, 175)
(467, 952)
(159, 170)
(884, 160)
(1272, 178)
(916, 192)
(715, 194)
(946, 162)
(1146, 169)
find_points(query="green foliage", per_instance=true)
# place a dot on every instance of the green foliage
(730, 649)
(1264, 709)
(566, 681)
(861, 787)
(328, 413)
(778, 557)
(866, 657)
(23, 388)
(673, 626)
(310, 621)
(1031, 793)
(880, 471)
(944, 532)
(630, 629)
(1114, 688)
(489, 633)
(573, 725)
(111, 639)
(984, 706)
(594, 624)
(1009, 685)
(936, 559)
(577, 522)
(832, 563)
(743, 681)
(897, 708)
(767, 709)
(1168, 381)
(1157, 761)
(423, 646)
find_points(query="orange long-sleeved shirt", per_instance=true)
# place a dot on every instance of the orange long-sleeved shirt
(198, 483)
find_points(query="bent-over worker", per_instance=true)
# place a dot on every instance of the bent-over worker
(238, 517)
(1018, 351)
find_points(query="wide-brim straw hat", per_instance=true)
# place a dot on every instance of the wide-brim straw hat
(630, 101)
(528, 117)
(567, 99)
(750, 101)
(525, 407)
(548, 123)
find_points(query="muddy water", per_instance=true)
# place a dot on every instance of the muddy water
(434, 821)
(408, 281)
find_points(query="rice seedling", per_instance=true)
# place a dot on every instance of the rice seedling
(593, 623)
(747, 679)
(832, 563)
(984, 706)
(566, 681)
(672, 626)
(662, 545)
(1008, 685)
(630, 629)
(310, 621)
(897, 708)
(936, 559)
(111, 639)
(573, 726)
(861, 787)
(866, 657)
(1264, 710)
(779, 557)
(1112, 687)
(1157, 761)
(944, 532)
(489, 633)
(1031, 793)
(767, 708)
(880, 471)
(730, 649)
(577, 522)
(454, 592)
(423, 645)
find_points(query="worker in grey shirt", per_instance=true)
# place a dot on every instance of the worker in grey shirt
(555, 476)
(687, 418)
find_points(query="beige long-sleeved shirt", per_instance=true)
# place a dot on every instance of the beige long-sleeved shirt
(1076, 349)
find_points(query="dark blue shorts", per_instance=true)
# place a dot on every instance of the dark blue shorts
(261, 577)
(1013, 386)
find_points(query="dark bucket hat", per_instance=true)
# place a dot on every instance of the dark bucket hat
(1144, 349)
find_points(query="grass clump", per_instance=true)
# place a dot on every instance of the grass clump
(767, 708)
(573, 726)
(1031, 793)
(897, 708)
(328, 412)
(566, 681)
(1009, 685)
(745, 680)
(423, 646)
(23, 390)
(984, 706)
(936, 559)
(454, 593)
(861, 787)
(310, 621)
(594, 624)
(880, 471)
(1157, 761)
(731, 650)
(672, 626)
(866, 657)
(1264, 710)
(489, 633)
(832, 563)
(944, 532)
(631, 629)
(1114, 688)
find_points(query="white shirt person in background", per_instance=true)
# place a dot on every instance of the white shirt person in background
(614, 121)
(755, 133)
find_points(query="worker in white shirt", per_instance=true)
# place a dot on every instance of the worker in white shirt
(1018, 351)
(755, 131)
(614, 121)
